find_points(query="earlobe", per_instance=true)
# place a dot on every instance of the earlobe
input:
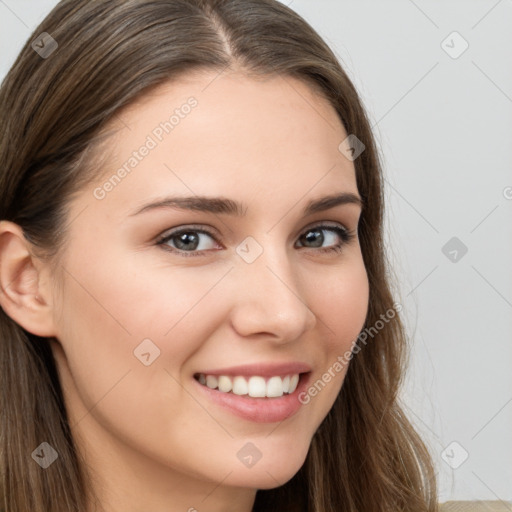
(24, 295)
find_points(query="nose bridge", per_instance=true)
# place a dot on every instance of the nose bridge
(269, 296)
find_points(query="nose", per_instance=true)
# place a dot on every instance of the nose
(269, 299)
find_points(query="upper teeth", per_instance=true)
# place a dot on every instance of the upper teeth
(255, 386)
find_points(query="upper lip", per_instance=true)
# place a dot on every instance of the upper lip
(261, 369)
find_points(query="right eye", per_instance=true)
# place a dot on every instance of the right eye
(187, 240)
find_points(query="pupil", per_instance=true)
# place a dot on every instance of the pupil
(315, 237)
(186, 240)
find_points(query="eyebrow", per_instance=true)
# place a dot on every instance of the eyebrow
(221, 205)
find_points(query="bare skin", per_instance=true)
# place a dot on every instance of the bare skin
(151, 438)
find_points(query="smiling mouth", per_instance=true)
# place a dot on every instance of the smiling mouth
(254, 386)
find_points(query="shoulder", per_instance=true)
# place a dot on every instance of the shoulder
(476, 506)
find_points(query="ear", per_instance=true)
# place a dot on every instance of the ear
(24, 287)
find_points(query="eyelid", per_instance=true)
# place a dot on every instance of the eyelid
(190, 227)
(324, 224)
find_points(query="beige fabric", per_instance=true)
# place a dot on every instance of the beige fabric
(476, 506)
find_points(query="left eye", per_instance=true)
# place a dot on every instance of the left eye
(190, 241)
(315, 236)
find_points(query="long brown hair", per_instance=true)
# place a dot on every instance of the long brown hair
(366, 456)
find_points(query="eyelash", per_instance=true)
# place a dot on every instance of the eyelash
(345, 235)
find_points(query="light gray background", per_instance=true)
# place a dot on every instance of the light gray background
(444, 126)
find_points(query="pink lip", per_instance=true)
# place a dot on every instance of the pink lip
(261, 369)
(258, 410)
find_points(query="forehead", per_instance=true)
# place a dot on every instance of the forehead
(229, 135)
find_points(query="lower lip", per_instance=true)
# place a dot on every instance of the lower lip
(259, 410)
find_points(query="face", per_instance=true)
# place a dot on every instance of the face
(153, 298)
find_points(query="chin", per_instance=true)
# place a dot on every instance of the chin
(270, 475)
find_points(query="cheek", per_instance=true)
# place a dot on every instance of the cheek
(339, 300)
(109, 309)
(136, 295)
(341, 304)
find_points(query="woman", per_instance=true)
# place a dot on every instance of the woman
(170, 340)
